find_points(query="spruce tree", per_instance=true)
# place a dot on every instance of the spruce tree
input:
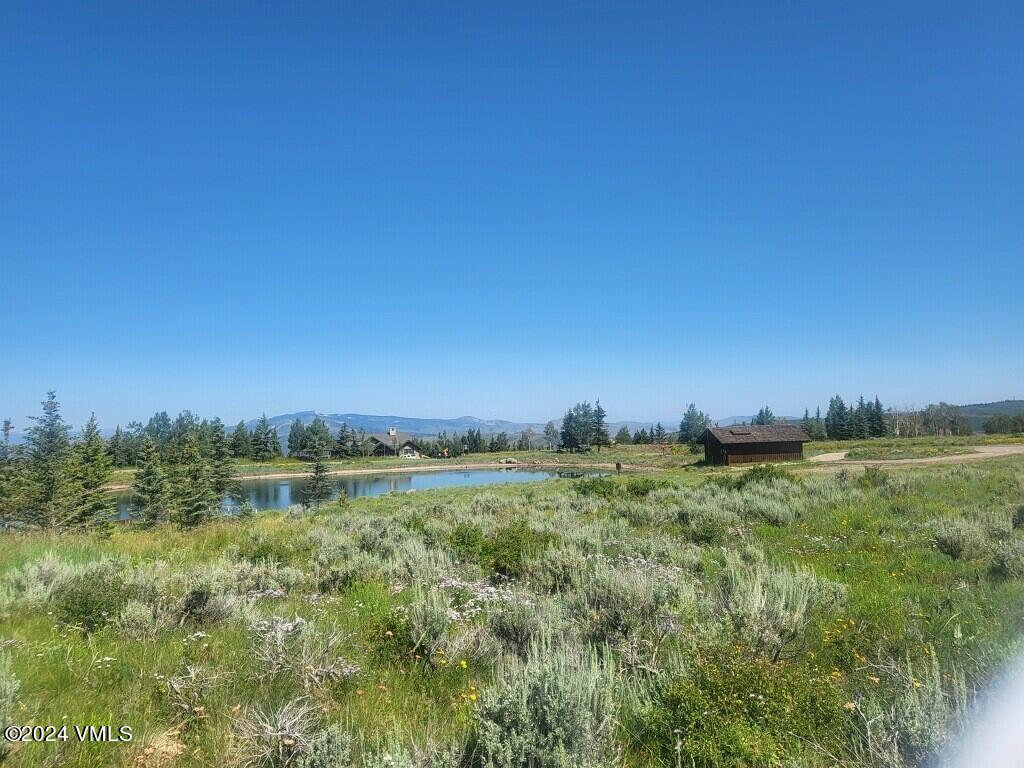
(622, 437)
(660, 435)
(263, 440)
(48, 445)
(241, 442)
(601, 437)
(222, 466)
(194, 499)
(296, 440)
(318, 488)
(86, 502)
(150, 492)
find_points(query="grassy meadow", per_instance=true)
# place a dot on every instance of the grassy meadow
(679, 617)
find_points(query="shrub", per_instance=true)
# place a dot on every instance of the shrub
(734, 708)
(643, 485)
(512, 545)
(555, 710)
(1018, 517)
(1008, 559)
(764, 473)
(428, 619)
(492, 504)
(706, 523)
(330, 747)
(145, 621)
(602, 487)
(520, 624)
(958, 538)
(93, 596)
(614, 602)
(274, 738)
(873, 477)
(769, 608)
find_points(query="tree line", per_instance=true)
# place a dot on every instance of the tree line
(54, 480)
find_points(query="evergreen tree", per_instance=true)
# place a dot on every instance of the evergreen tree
(806, 424)
(318, 488)
(876, 424)
(836, 420)
(241, 442)
(693, 424)
(764, 417)
(640, 437)
(342, 447)
(222, 466)
(194, 499)
(601, 437)
(265, 445)
(48, 446)
(622, 437)
(818, 426)
(150, 492)
(660, 435)
(578, 427)
(86, 502)
(296, 439)
(117, 448)
(860, 420)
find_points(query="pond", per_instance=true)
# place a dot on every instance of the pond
(284, 492)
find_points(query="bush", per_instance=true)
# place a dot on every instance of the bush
(274, 738)
(512, 545)
(643, 485)
(770, 608)
(1018, 517)
(329, 748)
(958, 538)
(1008, 559)
(520, 624)
(764, 473)
(555, 710)
(93, 596)
(603, 487)
(734, 708)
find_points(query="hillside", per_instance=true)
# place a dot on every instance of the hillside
(978, 413)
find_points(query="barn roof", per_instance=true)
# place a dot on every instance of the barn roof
(774, 433)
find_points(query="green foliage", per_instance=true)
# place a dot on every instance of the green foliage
(732, 707)
(555, 710)
(151, 499)
(763, 474)
(1008, 559)
(604, 487)
(92, 596)
(958, 538)
(9, 687)
(512, 545)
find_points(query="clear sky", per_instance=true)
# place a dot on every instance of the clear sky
(497, 209)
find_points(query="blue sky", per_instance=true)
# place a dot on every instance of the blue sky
(498, 209)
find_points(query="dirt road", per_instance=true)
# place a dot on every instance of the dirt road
(977, 452)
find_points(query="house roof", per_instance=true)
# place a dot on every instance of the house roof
(400, 440)
(774, 433)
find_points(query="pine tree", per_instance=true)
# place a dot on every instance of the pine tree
(660, 435)
(836, 420)
(150, 492)
(342, 446)
(117, 448)
(241, 442)
(622, 437)
(222, 466)
(877, 424)
(764, 417)
(86, 502)
(640, 437)
(194, 498)
(48, 445)
(264, 440)
(693, 425)
(318, 488)
(600, 437)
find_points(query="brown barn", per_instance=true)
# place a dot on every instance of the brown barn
(745, 445)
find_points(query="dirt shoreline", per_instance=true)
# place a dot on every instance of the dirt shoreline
(599, 466)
